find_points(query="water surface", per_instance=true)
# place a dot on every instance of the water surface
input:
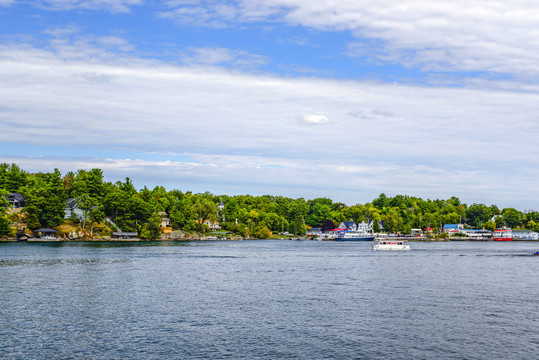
(268, 300)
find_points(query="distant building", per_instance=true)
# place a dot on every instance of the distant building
(15, 200)
(221, 211)
(165, 220)
(46, 233)
(476, 233)
(364, 227)
(348, 225)
(525, 235)
(72, 209)
(124, 235)
(380, 225)
(212, 225)
(166, 223)
(452, 228)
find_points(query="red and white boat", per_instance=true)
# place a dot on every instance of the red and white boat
(503, 235)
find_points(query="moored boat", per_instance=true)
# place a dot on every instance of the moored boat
(354, 236)
(503, 235)
(390, 245)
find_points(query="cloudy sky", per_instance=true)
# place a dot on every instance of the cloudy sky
(343, 99)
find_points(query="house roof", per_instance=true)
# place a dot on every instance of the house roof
(451, 226)
(71, 203)
(16, 196)
(46, 230)
(349, 224)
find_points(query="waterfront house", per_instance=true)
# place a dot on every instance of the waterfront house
(72, 209)
(166, 223)
(380, 225)
(348, 225)
(314, 232)
(212, 225)
(165, 220)
(452, 228)
(476, 233)
(525, 235)
(15, 200)
(364, 227)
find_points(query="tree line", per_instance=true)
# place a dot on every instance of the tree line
(121, 206)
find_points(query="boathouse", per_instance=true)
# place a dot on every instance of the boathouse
(124, 235)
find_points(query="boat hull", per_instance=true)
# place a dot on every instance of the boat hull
(503, 235)
(385, 245)
(356, 238)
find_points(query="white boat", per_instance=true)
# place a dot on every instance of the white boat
(390, 245)
(353, 236)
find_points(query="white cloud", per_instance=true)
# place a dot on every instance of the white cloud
(315, 119)
(243, 134)
(494, 36)
(115, 6)
(222, 56)
(115, 42)
(62, 32)
(201, 13)
(6, 2)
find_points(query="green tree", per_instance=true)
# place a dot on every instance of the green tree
(490, 225)
(393, 221)
(86, 204)
(94, 183)
(12, 177)
(477, 214)
(512, 217)
(262, 232)
(152, 229)
(318, 213)
(299, 225)
(203, 210)
(96, 216)
(380, 202)
(45, 200)
(4, 204)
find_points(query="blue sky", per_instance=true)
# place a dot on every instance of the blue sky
(343, 99)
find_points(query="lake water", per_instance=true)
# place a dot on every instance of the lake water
(268, 300)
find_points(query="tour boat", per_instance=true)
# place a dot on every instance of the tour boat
(354, 236)
(503, 235)
(390, 245)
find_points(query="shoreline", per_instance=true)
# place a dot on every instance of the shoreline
(103, 240)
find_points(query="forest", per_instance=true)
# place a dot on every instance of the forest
(109, 206)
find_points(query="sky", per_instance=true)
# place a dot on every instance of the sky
(344, 99)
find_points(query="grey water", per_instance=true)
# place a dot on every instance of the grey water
(270, 299)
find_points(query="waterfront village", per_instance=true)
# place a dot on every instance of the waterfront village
(331, 230)
(81, 205)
